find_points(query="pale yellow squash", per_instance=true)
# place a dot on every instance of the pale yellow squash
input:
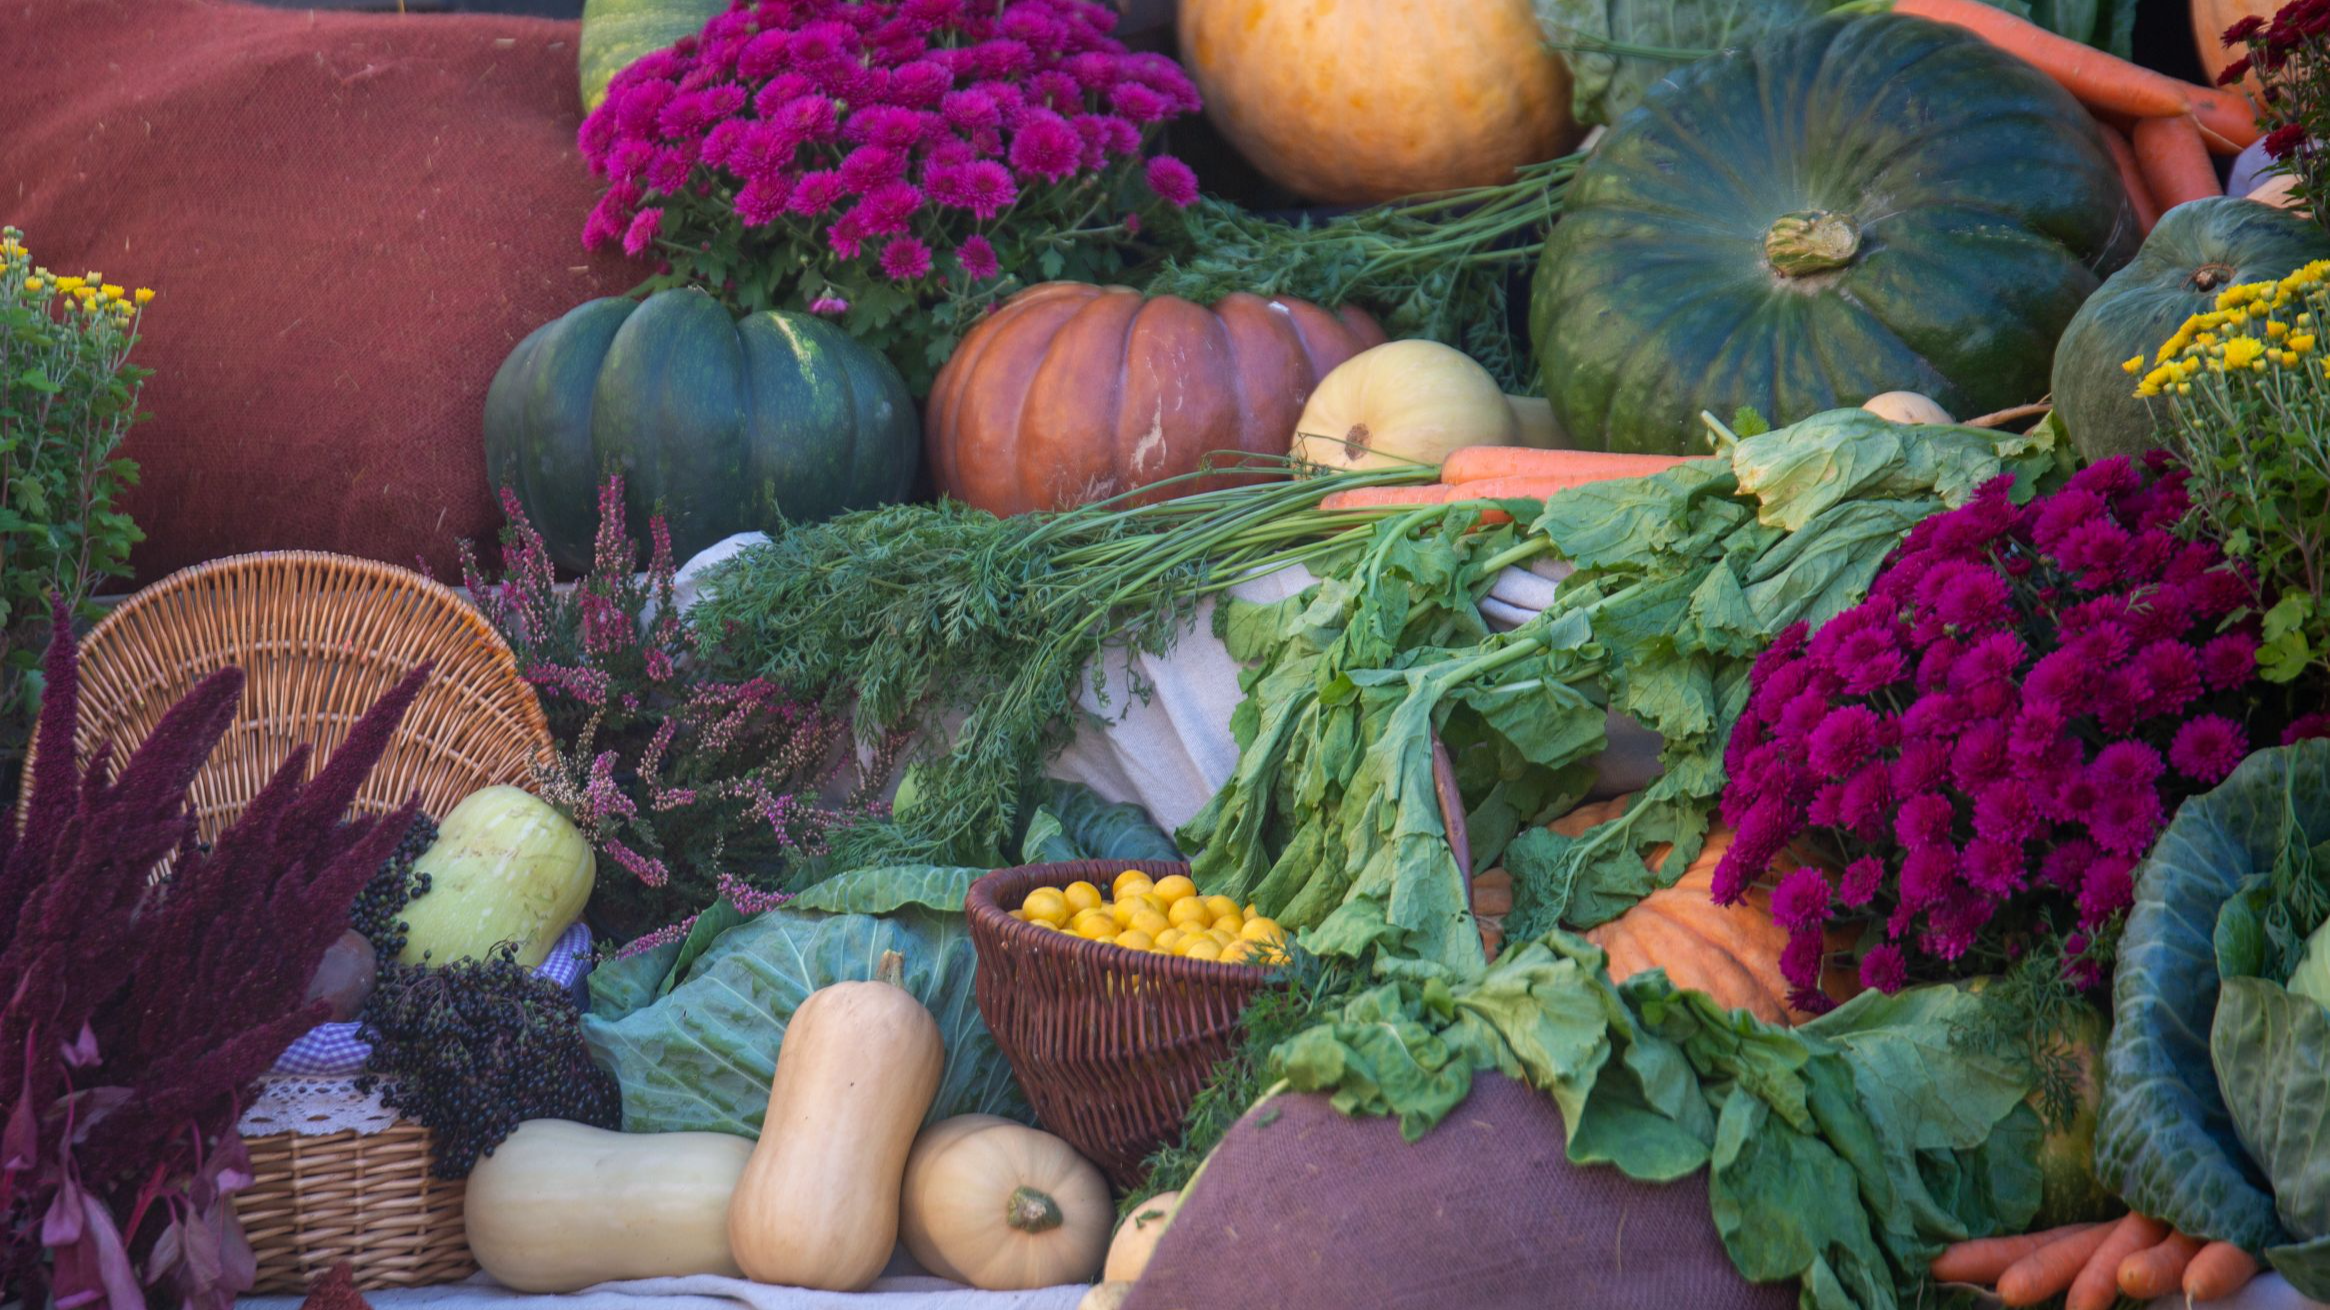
(1907, 407)
(818, 1204)
(1002, 1206)
(560, 1206)
(1137, 1237)
(506, 867)
(1400, 405)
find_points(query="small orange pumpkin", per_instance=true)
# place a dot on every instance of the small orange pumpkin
(1731, 952)
(1072, 393)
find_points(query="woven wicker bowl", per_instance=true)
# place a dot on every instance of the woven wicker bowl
(1109, 1045)
(319, 638)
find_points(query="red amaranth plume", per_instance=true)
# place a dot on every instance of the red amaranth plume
(137, 1014)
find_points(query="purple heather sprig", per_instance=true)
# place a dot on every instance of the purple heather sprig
(1993, 739)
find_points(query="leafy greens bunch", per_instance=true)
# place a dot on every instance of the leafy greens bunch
(977, 632)
(1683, 579)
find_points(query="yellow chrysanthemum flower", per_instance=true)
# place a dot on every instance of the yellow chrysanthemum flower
(2241, 352)
(33, 284)
(145, 295)
(69, 285)
(113, 292)
(2134, 364)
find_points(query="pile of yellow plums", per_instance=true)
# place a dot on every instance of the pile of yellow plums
(1165, 917)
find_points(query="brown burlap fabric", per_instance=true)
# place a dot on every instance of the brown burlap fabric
(1309, 1210)
(350, 219)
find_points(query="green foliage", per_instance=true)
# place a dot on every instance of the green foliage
(913, 614)
(1885, 1141)
(1328, 822)
(1436, 267)
(691, 1029)
(68, 395)
(2168, 1140)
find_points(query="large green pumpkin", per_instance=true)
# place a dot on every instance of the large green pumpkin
(2198, 249)
(727, 425)
(615, 33)
(1849, 206)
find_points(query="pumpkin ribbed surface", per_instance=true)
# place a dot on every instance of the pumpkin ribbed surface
(1356, 101)
(1072, 393)
(1849, 206)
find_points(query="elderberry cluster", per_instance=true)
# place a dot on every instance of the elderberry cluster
(472, 1049)
(393, 888)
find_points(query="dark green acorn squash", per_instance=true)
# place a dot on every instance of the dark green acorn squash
(1848, 206)
(2197, 249)
(726, 424)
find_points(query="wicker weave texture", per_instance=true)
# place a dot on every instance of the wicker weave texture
(319, 638)
(316, 1201)
(1110, 1045)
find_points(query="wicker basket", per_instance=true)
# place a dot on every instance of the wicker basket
(320, 637)
(366, 1199)
(1109, 1045)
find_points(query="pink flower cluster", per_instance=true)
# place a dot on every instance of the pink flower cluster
(1993, 739)
(884, 125)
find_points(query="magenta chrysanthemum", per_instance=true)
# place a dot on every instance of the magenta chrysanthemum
(2208, 748)
(905, 259)
(641, 234)
(1884, 968)
(1045, 147)
(977, 259)
(1172, 181)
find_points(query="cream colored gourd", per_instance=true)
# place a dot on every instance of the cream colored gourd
(1106, 1296)
(818, 1204)
(560, 1206)
(1538, 428)
(1137, 1237)
(1002, 1206)
(1907, 407)
(506, 867)
(1402, 404)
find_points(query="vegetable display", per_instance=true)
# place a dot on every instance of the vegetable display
(1793, 228)
(1347, 104)
(560, 1206)
(2195, 253)
(1072, 393)
(505, 867)
(729, 425)
(817, 1205)
(1002, 1206)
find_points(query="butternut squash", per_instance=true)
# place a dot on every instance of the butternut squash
(1002, 1206)
(560, 1206)
(818, 1203)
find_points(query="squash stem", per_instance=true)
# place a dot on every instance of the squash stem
(1031, 1211)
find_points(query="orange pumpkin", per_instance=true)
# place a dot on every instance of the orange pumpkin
(1072, 393)
(1356, 101)
(2210, 18)
(1731, 952)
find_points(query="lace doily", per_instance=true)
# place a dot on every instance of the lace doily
(314, 1107)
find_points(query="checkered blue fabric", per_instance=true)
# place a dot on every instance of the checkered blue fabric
(333, 1050)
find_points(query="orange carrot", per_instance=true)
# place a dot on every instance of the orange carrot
(1985, 1258)
(1481, 463)
(1406, 497)
(2228, 121)
(2044, 1273)
(2159, 1271)
(2093, 77)
(2132, 178)
(2175, 161)
(2099, 1283)
(2218, 1271)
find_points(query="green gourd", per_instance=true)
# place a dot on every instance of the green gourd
(2197, 250)
(727, 425)
(1849, 206)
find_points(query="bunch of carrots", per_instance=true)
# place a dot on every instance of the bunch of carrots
(2161, 131)
(1504, 473)
(2092, 1265)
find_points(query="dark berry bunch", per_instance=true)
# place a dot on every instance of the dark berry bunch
(392, 888)
(471, 1050)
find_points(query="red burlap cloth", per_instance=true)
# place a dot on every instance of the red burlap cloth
(350, 219)
(1301, 1208)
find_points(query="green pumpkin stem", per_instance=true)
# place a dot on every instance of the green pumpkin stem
(1030, 1211)
(1812, 241)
